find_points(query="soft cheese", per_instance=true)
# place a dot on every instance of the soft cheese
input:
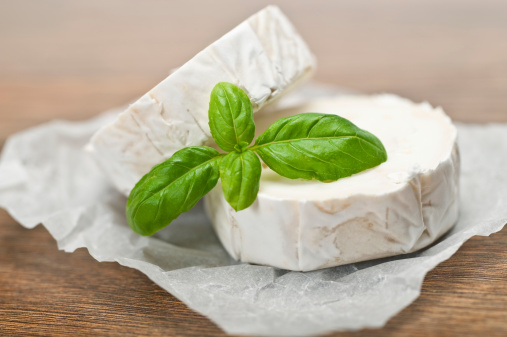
(398, 207)
(264, 56)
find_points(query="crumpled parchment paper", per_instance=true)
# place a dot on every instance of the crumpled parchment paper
(45, 177)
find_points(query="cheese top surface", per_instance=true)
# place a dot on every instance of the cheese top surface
(263, 55)
(417, 138)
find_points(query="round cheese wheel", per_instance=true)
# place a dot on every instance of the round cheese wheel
(398, 207)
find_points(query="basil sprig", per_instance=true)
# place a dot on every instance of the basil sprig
(307, 146)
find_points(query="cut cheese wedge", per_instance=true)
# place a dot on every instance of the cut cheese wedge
(264, 56)
(398, 207)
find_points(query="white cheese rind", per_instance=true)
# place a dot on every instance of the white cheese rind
(264, 56)
(398, 207)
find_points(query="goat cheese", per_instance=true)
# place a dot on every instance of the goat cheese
(398, 207)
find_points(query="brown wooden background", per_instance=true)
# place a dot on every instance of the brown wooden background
(72, 60)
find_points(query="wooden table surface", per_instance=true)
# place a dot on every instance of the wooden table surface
(72, 60)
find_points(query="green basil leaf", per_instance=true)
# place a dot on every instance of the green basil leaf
(230, 116)
(240, 174)
(171, 188)
(318, 146)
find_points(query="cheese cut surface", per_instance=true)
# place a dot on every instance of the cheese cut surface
(398, 207)
(264, 56)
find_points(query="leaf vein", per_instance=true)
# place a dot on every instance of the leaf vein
(311, 128)
(348, 154)
(286, 163)
(309, 154)
(232, 115)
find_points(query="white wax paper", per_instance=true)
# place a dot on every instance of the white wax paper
(45, 177)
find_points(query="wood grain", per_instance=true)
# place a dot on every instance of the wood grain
(72, 60)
